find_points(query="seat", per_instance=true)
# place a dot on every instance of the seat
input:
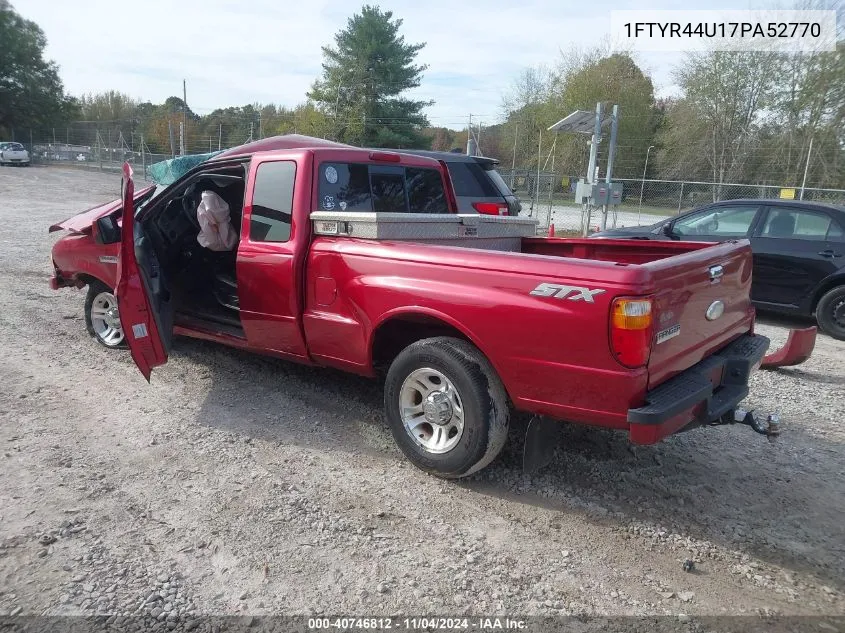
(782, 225)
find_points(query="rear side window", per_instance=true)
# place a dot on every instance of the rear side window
(272, 201)
(500, 183)
(380, 188)
(470, 179)
(791, 223)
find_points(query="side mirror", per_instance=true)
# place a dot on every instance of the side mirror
(667, 230)
(107, 230)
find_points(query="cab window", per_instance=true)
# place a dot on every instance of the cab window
(272, 202)
(380, 188)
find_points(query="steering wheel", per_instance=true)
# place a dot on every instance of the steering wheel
(190, 201)
(710, 227)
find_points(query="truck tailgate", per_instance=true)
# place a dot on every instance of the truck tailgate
(701, 304)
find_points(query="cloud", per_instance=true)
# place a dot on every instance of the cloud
(233, 53)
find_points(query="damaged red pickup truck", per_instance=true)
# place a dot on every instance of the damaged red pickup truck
(355, 259)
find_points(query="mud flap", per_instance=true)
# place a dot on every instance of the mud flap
(541, 439)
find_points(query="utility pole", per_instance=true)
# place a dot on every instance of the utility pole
(260, 125)
(184, 115)
(513, 162)
(143, 157)
(591, 167)
(614, 126)
(172, 142)
(249, 140)
(806, 169)
(472, 147)
(181, 138)
(478, 140)
(537, 184)
(219, 136)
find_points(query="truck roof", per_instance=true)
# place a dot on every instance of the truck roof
(285, 141)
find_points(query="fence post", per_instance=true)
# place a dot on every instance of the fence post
(681, 197)
(143, 157)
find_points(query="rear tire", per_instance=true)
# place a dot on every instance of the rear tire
(102, 319)
(446, 407)
(830, 313)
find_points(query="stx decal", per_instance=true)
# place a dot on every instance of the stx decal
(573, 293)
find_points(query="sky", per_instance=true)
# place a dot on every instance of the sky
(233, 53)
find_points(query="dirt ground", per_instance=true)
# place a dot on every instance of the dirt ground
(236, 484)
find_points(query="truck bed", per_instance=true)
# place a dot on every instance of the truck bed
(551, 351)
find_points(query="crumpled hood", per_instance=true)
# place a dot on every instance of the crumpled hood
(81, 222)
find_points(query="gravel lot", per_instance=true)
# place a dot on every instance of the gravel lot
(235, 484)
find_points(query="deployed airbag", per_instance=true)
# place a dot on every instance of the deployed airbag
(216, 230)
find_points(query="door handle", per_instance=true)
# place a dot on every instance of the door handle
(829, 253)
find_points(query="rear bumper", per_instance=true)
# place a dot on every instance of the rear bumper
(702, 394)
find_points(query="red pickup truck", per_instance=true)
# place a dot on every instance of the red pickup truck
(646, 337)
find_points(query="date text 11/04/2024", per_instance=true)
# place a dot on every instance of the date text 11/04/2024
(417, 624)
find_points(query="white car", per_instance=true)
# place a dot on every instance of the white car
(13, 154)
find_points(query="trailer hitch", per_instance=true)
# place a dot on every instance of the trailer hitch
(770, 427)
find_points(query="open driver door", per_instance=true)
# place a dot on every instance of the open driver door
(143, 296)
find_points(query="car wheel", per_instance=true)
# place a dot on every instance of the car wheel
(830, 313)
(101, 316)
(446, 407)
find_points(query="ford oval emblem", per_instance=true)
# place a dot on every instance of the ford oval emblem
(716, 309)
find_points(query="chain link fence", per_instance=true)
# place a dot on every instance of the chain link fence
(550, 198)
(87, 146)
(547, 196)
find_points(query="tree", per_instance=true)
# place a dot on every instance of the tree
(31, 93)
(726, 94)
(107, 106)
(615, 79)
(540, 97)
(364, 76)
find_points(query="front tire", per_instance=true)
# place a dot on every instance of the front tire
(446, 407)
(830, 313)
(101, 316)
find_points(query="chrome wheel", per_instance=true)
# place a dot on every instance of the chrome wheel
(432, 410)
(105, 319)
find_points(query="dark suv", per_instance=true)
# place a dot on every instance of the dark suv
(478, 186)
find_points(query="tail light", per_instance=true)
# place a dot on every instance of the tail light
(491, 208)
(631, 330)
